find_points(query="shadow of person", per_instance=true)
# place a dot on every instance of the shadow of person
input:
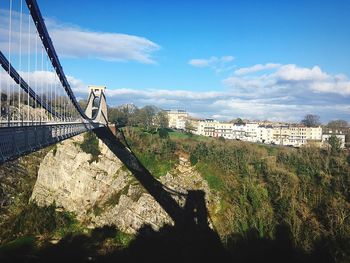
(193, 241)
(75, 247)
(195, 210)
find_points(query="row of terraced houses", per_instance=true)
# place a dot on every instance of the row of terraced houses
(285, 134)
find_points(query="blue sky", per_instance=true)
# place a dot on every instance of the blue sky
(275, 60)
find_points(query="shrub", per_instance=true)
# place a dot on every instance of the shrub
(193, 159)
(90, 146)
(163, 133)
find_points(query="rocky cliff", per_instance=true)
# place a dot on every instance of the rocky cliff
(104, 192)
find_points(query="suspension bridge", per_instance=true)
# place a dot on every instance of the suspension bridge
(37, 104)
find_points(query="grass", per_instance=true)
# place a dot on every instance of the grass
(97, 210)
(123, 238)
(183, 135)
(211, 175)
(156, 166)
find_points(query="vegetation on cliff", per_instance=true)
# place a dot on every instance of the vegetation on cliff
(263, 187)
(90, 145)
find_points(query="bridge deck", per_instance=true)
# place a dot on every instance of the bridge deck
(21, 140)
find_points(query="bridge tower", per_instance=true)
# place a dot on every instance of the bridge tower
(96, 105)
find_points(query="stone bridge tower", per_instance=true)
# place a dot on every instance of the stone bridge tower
(97, 106)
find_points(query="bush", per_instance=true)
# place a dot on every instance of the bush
(90, 146)
(35, 220)
(335, 144)
(163, 133)
(193, 159)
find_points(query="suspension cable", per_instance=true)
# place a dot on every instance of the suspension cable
(42, 84)
(8, 100)
(20, 61)
(29, 55)
(35, 77)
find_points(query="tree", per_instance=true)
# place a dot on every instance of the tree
(163, 133)
(161, 120)
(145, 117)
(123, 115)
(336, 124)
(335, 144)
(311, 120)
(83, 104)
(189, 127)
(239, 121)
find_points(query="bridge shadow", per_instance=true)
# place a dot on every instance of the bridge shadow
(190, 239)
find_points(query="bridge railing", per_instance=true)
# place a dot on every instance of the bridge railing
(18, 141)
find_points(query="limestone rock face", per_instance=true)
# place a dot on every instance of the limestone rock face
(105, 192)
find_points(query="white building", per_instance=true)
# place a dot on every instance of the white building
(268, 133)
(325, 139)
(300, 135)
(207, 127)
(177, 119)
(238, 131)
(265, 134)
(251, 132)
(223, 129)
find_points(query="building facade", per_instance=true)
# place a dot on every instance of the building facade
(177, 119)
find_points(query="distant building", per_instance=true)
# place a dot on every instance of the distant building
(238, 131)
(265, 134)
(301, 135)
(223, 129)
(177, 119)
(262, 132)
(337, 133)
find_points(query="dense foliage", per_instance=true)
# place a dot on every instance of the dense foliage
(262, 187)
(90, 145)
(156, 151)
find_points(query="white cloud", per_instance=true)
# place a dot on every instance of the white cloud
(165, 94)
(215, 63)
(224, 105)
(289, 79)
(42, 81)
(256, 68)
(261, 109)
(292, 72)
(200, 63)
(76, 42)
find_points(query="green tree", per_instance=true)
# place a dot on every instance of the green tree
(163, 133)
(239, 121)
(90, 145)
(145, 117)
(335, 144)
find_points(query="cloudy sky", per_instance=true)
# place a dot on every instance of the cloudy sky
(276, 60)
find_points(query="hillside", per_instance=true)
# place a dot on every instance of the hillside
(259, 201)
(261, 187)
